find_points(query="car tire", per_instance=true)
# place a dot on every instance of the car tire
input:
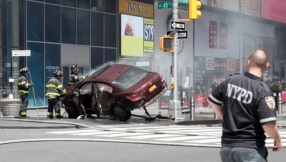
(121, 114)
(71, 112)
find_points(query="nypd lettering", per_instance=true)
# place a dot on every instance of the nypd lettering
(239, 93)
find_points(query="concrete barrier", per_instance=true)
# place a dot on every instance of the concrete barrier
(10, 107)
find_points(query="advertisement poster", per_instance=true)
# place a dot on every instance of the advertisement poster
(222, 36)
(35, 63)
(212, 34)
(274, 10)
(131, 35)
(251, 7)
(183, 98)
(210, 63)
(232, 5)
(148, 37)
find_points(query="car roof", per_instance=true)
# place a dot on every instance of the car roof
(109, 72)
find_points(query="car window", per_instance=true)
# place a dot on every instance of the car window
(130, 77)
(86, 89)
(103, 87)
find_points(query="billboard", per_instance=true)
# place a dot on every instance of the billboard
(232, 5)
(137, 36)
(274, 10)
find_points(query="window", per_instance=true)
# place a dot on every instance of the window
(96, 5)
(83, 27)
(129, 77)
(68, 25)
(54, 1)
(104, 88)
(110, 26)
(110, 55)
(110, 6)
(85, 4)
(96, 29)
(96, 57)
(52, 23)
(71, 3)
(35, 21)
(86, 89)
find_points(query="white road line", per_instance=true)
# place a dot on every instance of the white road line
(75, 131)
(93, 133)
(123, 134)
(152, 136)
(213, 140)
(183, 138)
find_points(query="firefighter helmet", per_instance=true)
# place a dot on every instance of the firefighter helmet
(24, 70)
(58, 73)
(73, 67)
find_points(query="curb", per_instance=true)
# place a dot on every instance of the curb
(71, 124)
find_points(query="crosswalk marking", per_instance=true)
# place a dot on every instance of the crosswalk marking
(123, 134)
(196, 135)
(152, 136)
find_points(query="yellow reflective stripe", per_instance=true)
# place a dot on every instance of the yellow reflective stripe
(27, 85)
(51, 86)
(23, 91)
(50, 113)
(58, 114)
(64, 91)
(75, 77)
(59, 86)
(70, 82)
(20, 83)
(52, 93)
(23, 113)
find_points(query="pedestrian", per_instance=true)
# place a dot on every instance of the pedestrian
(23, 90)
(246, 106)
(76, 101)
(55, 90)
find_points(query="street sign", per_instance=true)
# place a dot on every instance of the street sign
(182, 34)
(177, 25)
(169, 4)
(165, 5)
(16, 53)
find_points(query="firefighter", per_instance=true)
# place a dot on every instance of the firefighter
(74, 75)
(77, 103)
(23, 90)
(55, 90)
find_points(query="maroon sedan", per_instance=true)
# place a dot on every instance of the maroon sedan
(117, 89)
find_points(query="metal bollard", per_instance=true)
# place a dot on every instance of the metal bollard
(279, 104)
(192, 108)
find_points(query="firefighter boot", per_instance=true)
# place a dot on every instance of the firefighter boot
(50, 115)
(58, 115)
(23, 114)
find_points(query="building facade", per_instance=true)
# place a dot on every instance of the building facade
(90, 33)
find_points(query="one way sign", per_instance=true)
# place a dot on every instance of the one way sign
(182, 34)
(177, 25)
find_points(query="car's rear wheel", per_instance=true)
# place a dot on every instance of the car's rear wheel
(121, 114)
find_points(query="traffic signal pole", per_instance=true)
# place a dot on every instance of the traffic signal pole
(176, 104)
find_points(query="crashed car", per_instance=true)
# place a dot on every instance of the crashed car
(118, 89)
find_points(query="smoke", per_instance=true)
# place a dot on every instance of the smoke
(100, 66)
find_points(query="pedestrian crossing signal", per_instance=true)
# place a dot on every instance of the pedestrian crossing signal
(166, 43)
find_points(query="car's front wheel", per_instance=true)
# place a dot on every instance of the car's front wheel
(121, 114)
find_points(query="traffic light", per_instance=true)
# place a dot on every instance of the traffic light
(194, 5)
(166, 43)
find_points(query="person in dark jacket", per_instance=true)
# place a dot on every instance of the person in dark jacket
(23, 90)
(73, 79)
(54, 90)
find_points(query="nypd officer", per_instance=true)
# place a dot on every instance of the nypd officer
(246, 106)
(23, 90)
(54, 90)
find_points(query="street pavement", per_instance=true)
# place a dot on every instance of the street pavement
(137, 130)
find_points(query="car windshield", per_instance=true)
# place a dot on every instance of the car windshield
(129, 77)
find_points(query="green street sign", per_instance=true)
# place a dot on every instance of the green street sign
(169, 4)
(164, 5)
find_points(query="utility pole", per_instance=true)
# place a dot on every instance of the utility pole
(175, 103)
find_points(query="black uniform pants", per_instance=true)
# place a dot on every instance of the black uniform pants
(54, 103)
(78, 105)
(24, 104)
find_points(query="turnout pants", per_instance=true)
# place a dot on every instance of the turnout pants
(24, 104)
(54, 103)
